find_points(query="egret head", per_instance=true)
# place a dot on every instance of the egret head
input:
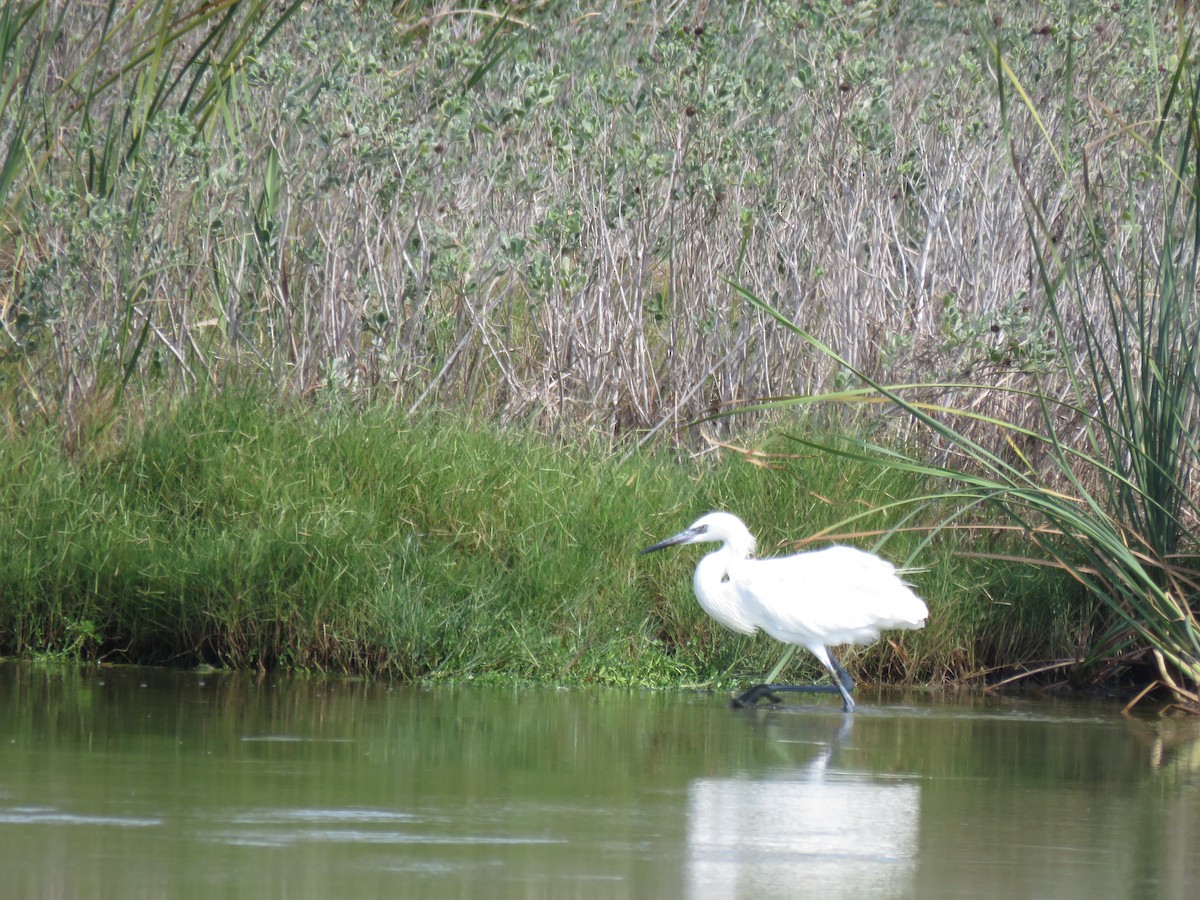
(722, 527)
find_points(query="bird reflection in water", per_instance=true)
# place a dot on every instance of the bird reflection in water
(815, 831)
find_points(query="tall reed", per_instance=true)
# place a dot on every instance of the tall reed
(1102, 483)
(89, 96)
(530, 213)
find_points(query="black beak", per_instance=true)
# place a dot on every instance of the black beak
(682, 538)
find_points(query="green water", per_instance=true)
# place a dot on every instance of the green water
(130, 783)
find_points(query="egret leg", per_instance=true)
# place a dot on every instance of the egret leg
(767, 691)
(841, 680)
(847, 700)
(842, 684)
(752, 696)
(841, 673)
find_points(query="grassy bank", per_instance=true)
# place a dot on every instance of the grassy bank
(241, 533)
(535, 219)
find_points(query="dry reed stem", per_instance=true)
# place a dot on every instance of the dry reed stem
(571, 276)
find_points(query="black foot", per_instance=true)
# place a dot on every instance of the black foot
(768, 691)
(752, 696)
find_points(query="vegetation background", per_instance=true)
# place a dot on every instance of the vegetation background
(372, 336)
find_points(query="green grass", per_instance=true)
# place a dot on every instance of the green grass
(242, 533)
(532, 222)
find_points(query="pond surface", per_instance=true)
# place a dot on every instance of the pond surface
(130, 783)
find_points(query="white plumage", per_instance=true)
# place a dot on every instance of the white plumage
(817, 599)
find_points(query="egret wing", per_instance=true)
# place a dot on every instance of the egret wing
(833, 596)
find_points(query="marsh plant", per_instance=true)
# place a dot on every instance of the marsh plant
(1102, 480)
(531, 210)
(116, 122)
(533, 214)
(239, 532)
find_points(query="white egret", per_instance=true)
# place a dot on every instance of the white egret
(817, 599)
